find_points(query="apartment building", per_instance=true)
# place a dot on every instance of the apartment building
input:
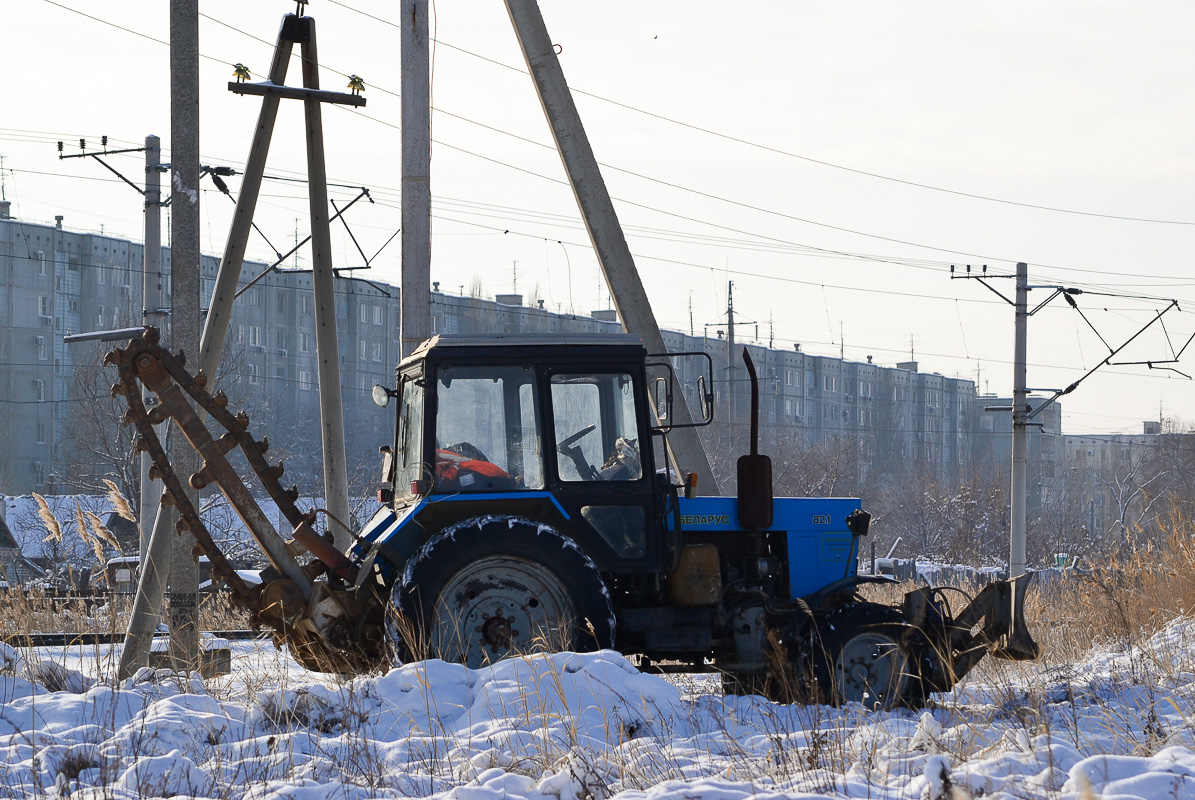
(55, 281)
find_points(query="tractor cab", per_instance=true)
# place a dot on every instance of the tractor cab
(559, 431)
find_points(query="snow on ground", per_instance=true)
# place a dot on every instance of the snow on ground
(586, 727)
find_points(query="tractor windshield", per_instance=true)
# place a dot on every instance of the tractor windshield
(487, 431)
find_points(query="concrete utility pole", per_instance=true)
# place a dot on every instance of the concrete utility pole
(1020, 419)
(416, 319)
(731, 357)
(147, 603)
(622, 278)
(151, 314)
(336, 481)
(185, 257)
(215, 328)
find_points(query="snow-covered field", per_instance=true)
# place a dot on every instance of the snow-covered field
(587, 727)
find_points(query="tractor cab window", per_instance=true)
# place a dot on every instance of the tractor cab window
(409, 459)
(597, 433)
(487, 431)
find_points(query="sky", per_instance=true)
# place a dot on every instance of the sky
(832, 160)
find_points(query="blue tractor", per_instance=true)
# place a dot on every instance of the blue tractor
(529, 504)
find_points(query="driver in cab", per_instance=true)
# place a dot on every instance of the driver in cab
(462, 467)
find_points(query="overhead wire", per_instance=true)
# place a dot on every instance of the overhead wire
(787, 153)
(644, 206)
(657, 210)
(639, 175)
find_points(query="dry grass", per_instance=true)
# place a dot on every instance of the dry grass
(1141, 587)
(32, 611)
(811, 749)
(1138, 589)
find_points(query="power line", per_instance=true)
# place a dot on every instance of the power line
(765, 239)
(676, 186)
(761, 241)
(699, 192)
(787, 153)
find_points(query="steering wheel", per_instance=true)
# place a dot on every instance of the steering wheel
(568, 446)
(571, 440)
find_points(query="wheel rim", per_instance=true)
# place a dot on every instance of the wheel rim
(498, 606)
(870, 669)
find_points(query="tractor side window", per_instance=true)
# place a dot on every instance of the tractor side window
(487, 436)
(597, 435)
(410, 435)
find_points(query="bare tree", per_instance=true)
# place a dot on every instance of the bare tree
(1132, 500)
(97, 445)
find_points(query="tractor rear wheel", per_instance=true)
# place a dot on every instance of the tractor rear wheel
(490, 587)
(867, 653)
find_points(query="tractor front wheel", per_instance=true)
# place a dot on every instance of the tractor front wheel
(491, 587)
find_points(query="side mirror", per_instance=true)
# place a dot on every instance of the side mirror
(386, 489)
(387, 462)
(704, 400)
(858, 522)
(662, 398)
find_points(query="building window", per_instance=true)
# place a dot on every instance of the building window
(305, 380)
(100, 317)
(41, 348)
(379, 315)
(43, 305)
(101, 276)
(39, 470)
(39, 389)
(253, 372)
(362, 349)
(255, 335)
(255, 297)
(41, 433)
(280, 339)
(363, 313)
(304, 342)
(41, 262)
(376, 353)
(240, 334)
(829, 383)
